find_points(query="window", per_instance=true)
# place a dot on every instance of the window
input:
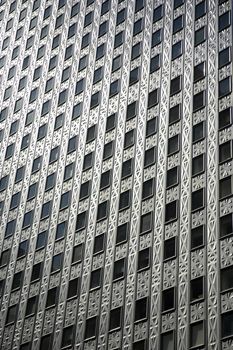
(226, 225)
(91, 325)
(119, 269)
(172, 177)
(122, 233)
(225, 118)
(46, 107)
(4, 182)
(46, 210)
(73, 288)
(108, 150)
(199, 72)
(131, 110)
(27, 220)
(198, 199)
(196, 289)
(87, 163)
(197, 237)
(198, 132)
(15, 199)
(103, 28)
(139, 5)
(140, 345)
(95, 279)
(141, 306)
(152, 98)
(200, 9)
(100, 51)
(57, 262)
(79, 86)
(10, 228)
(158, 13)
(62, 97)
(129, 139)
(224, 87)
(23, 249)
(19, 174)
(88, 19)
(105, 7)
(173, 145)
(197, 334)
(198, 165)
(50, 181)
(225, 187)
(200, 36)
(52, 297)
(115, 318)
(171, 211)
(151, 127)
(36, 164)
(14, 127)
(98, 75)
(226, 278)
(22, 83)
(121, 15)
(42, 132)
(175, 86)
(136, 51)
(67, 336)
(95, 99)
(105, 179)
(72, 145)
(178, 24)
(198, 101)
(227, 324)
(61, 230)
(114, 88)
(75, 9)
(149, 158)
(25, 141)
(81, 221)
(224, 21)
(86, 40)
(18, 277)
(116, 63)
(77, 110)
(225, 151)
(37, 74)
(52, 63)
(84, 190)
(54, 154)
(98, 244)
(11, 314)
(148, 189)
(156, 38)
(138, 26)
(167, 341)
(155, 63)
(127, 168)
(59, 121)
(146, 222)
(169, 248)
(5, 257)
(102, 211)
(143, 258)
(31, 306)
(224, 57)
(10, 151)
(77, 253)
(124, 202)
(46, 342)
(177, 50)
(119, 38)
(168, 299)
(41, 240)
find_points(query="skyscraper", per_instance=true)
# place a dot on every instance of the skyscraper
(116, 191)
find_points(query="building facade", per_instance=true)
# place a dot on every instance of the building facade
(116, 170)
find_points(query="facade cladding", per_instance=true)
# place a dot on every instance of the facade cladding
(116, 175)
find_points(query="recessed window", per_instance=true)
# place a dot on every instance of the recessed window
(225, 118)
(198, 165)
(122, 233)
(31, 306)
(4, 182)
(77, 110)
(198, 132)
(41, 240)
(98, 244)
(108, 150)
(226, 225)
(197, 334)
(85, 40)
(134, 76)
(10, 151)
(61, 230)
(171, 211)
(146, 222)
(200, 9)
(149, 158)
(177, 50)
(152, 98)
(175, 86)
(227, 324)
(73, 288)
(143, 258)
(136, 51)
(196, 289)
(224, 21)
(138, 26)
(224, 87)
(169, 248)
(105, 7)
(50, 181)
(200, 36)
(119, 269)
(102, 211)
(95, 279)
(95, 100)
(11, 314)
(69, 171)
(158, 13)
(148, 189)
(178, 3)
(131, 110)
(198, 200)
(72, 144)
(27, 220)
(168, 299)
(5, 257)
(226, 278)
(127, 168)
(54, 154)
(116, 63)
(19, 174)
(197, 237)
(103, 28)
(42, 132)
(151, 127)
(105, 179)
(225, 187)
(10, 228)
(81, 221)
(84, 190)
(88, 159)
(129, 139)
(114, 88)
(141, 309)
(178, 24)
(75, 9)
(172, 177)
(88, 19)
(77, 255)
(198, 101)
(23, 249)
(173, 145)
(67, 336)
(224, 57)
(100, 51)
(57, 262)
(225, 151)
(199, 72)
(98, 75)
(52, 297)
(91, 325)
(59, 121)
(115, 318)
(46, 210)
(124, 201)
(17, 280)
(139, 4)
(167, 341)
(121, 15)
(119, 38)
(156, 38)
(82, 62)
(46, 342)
(155, 63)
(15, 199)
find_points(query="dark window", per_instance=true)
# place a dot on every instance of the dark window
(226, 278)
(105, 7)
(67, 336)
(172, 177)
(158, 13)
(171, 211)
(31, 306)
(11, 314)
(136, 51)
(46, 209)
(73, 288)
(100, 51)
(88, 159)
(95, 99)
(131, 110)
(52, 297)
(143, 258)
(79, 86)
(156, 38)
(82, 62)
(224, 57)
(5, 257)
(4, 182)
(91, 325)
(173, 145)
(148, 188)
(134, 76)
(116, 63)
(152, 98)
(75, 9)
(46, 108)
(108, 150)
(69, 170)
(105, 179)
(200, 36)
(168, 299)
(62, 97)
(81, 221)
(41, 240)
(98, 244)
(114, 88)
(177, 50)
(226, 225)
(102, 211)
(155, 63)
(149, 158)
(122, 233)
(124, 201)
(77, 253)
(199, 71)
(17, 280)
(77, 109)
(88, 19)
(127, 168)
(200, 9)
(141, 306)
(178, 24)
(27, 220)
(84, 190)
(56, 262)
(61, 230)
(10, 228)
(42, 132)
(98, 75)
(198, 101)
(91, 133)
(119, 38)
(140, 345)
(85, 40)
(198, 132)
(151, 127)
(169, 248)
(146, 222)
(14, 127)
(115, 318)
(198, 165)
(25, 141)
(119, 269)
(225, 118)
(197, 237)
(197, 199)
(59, 121)
(175, 85)
(138, 26)
(224, 21)
(15, 199)
(52, 63)
(95, 279)
(139, 5)
(225, 151)
(36, 164)
(23, 249)
(103, 28)
(225, 187)
(72, 144)
(54, 154)
(196, 289)
(197, 334)
(10, 151)
(129, 139)
(167, 341)
(224, 87)
(46, 342)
